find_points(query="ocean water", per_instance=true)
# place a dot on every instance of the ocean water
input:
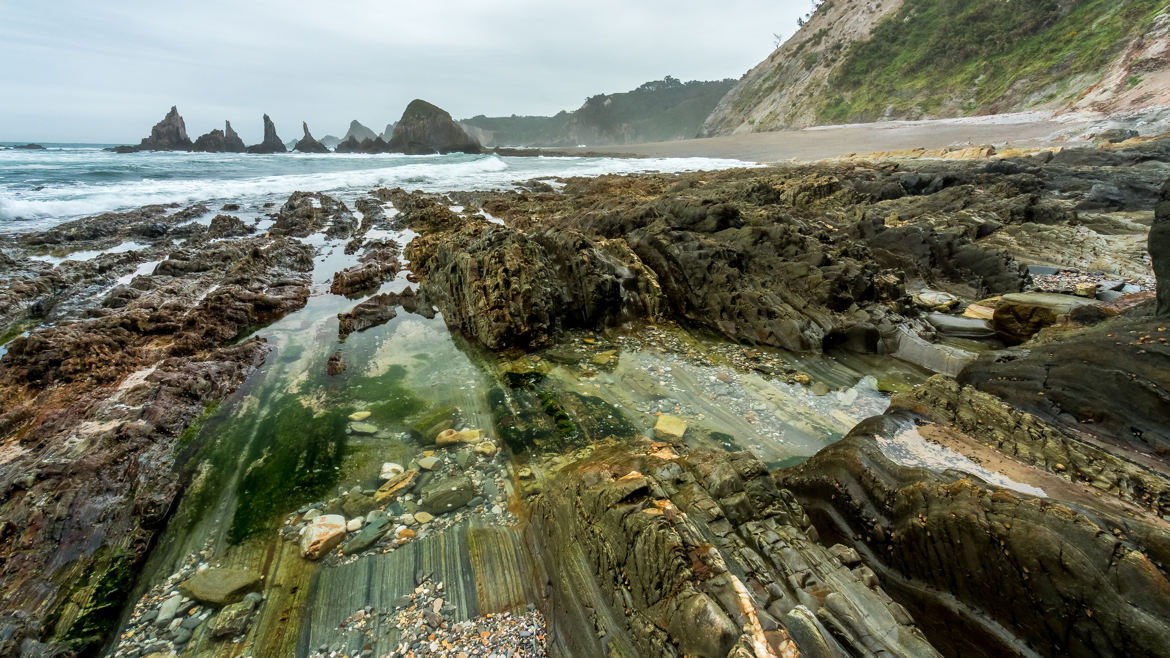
(39, 189)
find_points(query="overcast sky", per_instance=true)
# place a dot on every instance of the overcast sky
(106, 71)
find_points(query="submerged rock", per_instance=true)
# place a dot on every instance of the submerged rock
(425, 129)
(271, 143)
(233, 619)
(447, 494)
(320, 537)
(219, 586)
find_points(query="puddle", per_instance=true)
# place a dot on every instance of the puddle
(909, 448)
(88, 254)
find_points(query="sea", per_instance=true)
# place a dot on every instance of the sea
(39, 189)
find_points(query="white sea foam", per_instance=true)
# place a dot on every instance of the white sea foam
(88, 183)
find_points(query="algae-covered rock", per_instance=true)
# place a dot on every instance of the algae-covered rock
(219, 586)
(233, 619)
(367, 536)
(447, 494)
(670, 428)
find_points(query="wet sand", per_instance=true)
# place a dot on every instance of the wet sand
(1025, 130)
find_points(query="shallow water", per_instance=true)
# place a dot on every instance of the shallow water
(284, 441)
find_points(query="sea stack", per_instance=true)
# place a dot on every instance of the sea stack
(170, 134)
(271, 143)
(425, 129)
(360, 132)
(1159, 248)
(308, 144)
(220, 141)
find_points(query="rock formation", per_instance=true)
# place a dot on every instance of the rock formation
(308, 144)
(170, 134)
(359, 132)
(425, 129)
(220, 141)
(353, 145)
(271, 143)
(1159, 248)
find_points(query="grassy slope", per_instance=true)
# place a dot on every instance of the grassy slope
(979, 56)
(656, 111)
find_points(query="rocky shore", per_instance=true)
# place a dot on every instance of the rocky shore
(903, 406)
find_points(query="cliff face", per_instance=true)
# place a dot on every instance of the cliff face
(425, 128)
(857, 61)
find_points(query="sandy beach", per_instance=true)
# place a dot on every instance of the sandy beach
(1022, 130)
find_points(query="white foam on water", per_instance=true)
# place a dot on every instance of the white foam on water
(89, 183)
(909, 448)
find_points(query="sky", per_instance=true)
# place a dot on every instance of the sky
(106, 71)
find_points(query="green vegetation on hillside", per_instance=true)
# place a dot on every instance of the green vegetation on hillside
(656, 111)
(987, 55)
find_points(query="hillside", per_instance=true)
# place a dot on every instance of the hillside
(857, 61)
(657, 111)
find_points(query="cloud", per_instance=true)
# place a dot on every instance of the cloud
(82, 71)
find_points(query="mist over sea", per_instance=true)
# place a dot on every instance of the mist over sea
(39, 189)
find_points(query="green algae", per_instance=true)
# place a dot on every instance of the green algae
(295, 459)
(104, 605)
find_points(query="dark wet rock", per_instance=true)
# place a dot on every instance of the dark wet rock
(220, 141)
(170, 134)
(703, 554)
(1019, 316)
(359, 132)
(1024, 437)
(379, 310)
(1111, 380)
(354, 145)
(1115, 135)
(219, 586)
(115, 389)
(446, 495)
(306, 213)
(227, 226)
(1159, 248)
(308, 144)
(367, 536)
(271, 143)
(986, 570)
(960, 327)
(30, 147)
(425, 129)
(233, 619)
(336, 365)
(378, 264)
(506, 288)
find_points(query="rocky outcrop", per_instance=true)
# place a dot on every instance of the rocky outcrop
(308, 144)
(306, 213)
(1159, 248)
(271, 143)
(654, 554)
(170, 134)
(359, 133)
(94, 405)
(377, 264)
(425, 129)
(1077, 380)
(220, 141)
(987, 570)
(354, 145)
(506, 288)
